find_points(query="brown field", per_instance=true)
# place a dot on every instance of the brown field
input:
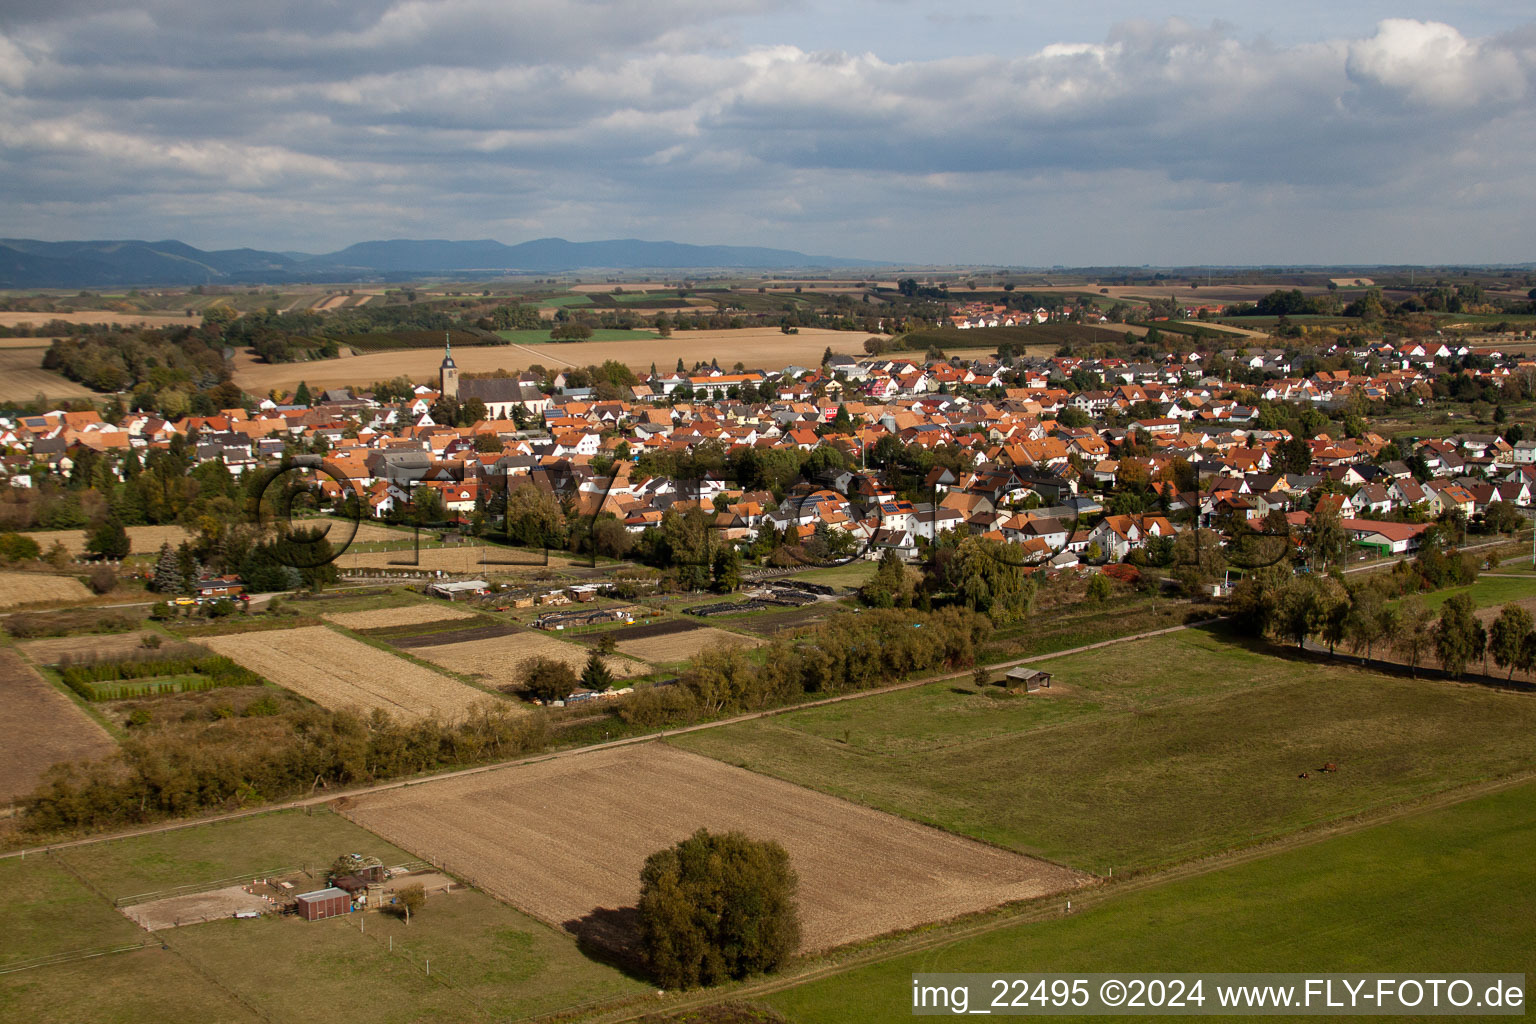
(22, 377)
(494, 661)
(41, 727)
(50, 650)
(684, 646)
(94, 316)
(528, 834)
(409, 615)
(464, 558)
(143, 540)
(19, 588)
(339, 672)
(762, 348)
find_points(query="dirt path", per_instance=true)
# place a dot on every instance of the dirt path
(383, 787)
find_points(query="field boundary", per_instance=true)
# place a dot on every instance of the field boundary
(1048, 907)
(316, 801)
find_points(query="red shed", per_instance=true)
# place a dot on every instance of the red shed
(323, 903)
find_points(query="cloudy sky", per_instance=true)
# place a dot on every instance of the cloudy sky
(977, 131)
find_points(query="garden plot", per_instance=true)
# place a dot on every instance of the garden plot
(338, 671)
(407, 615)
(494, 661)
(685, 645)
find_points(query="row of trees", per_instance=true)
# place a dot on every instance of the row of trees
(254, 747)
(1325, 610)
(848, 652)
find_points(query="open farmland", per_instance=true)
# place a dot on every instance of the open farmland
(51, 650)
(458, 558)
(528, 834)
(1145, 753)
(143, 540)
(405, 615)
(488, 961)
(22, 377)
(494, 660)
(765, 348)
(15, 318)
(685, 645)
(21, 588)
(1392, 897)
(41, 727)
(339, 672)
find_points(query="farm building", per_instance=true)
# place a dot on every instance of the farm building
(1026, 679)
(323, 903)
(454, 589)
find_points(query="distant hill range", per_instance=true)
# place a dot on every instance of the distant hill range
(25, 263)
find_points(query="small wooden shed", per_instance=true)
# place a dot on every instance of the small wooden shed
(1026, 679)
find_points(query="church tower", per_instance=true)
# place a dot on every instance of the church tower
(448, 373)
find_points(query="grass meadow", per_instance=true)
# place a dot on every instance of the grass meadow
(1145, 753)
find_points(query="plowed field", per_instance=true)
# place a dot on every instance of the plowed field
(567, 837)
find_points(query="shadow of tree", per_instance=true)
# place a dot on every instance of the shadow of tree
(611, 935)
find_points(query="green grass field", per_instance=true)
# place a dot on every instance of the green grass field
(1143, 753)
(488, 961)
(1486, 591)
(1451, 889)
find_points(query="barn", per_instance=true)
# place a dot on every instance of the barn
(323, 903)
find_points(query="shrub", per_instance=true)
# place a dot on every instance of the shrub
(102, 580)
(716, 907)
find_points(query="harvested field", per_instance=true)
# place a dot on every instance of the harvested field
(463, 558)
(765, 348)
(143, 540)
(19, 588)
(410, 641)
(195, 908)
(41, 727)
(494, 661)
(12, 318)
(684, 646)
(408, 615)
(339, 672)
(504, 833)
(22, 377)
(50, 650)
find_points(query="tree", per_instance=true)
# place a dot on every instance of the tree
(1301, 610)
(1508, 636)
(167, 578)
(16, 547)
(1414, 634)
(1459, 638)
(1099, 589)
(302, 395)
(596, 676)
(1370, 621)
(1325, 537)
(109, 540)
(546, 679)
(717, 907)
(410, 899)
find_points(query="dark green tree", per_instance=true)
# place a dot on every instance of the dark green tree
(596, 675)
(109, 540)
(717, 907)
